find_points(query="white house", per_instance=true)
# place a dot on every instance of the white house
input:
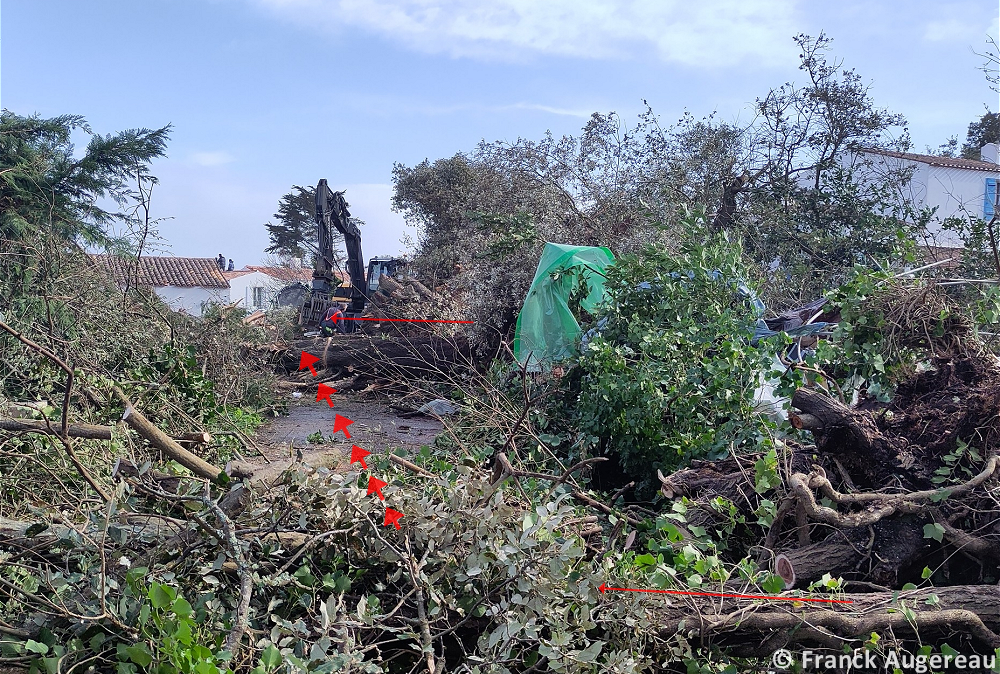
(186, 284)
(955, 187)
(257, 287)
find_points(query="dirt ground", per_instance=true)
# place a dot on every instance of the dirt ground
(376, 427)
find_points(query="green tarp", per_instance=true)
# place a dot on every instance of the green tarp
(547, 331)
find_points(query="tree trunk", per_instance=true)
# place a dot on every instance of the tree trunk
(850, 435)
(884, 553)
(166, 444)
(372, 358)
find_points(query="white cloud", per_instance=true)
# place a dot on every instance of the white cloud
(709, 33)
(948, 29)
(566, 112)
(216, 158)
(959, 22)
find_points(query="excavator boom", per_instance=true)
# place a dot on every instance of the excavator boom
(332, 214)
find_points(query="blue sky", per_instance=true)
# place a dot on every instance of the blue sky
(264, 94)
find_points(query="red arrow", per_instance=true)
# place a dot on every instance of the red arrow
(358, 454)
(308, 360)
(604, 588)
(340, 424)
(375, 487)
(392, 517)
(323, 393)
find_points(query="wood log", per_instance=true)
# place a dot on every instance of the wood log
(88, 431)
(887, 553)
(42, 535)
(804, 422)
(166, 444)
(194, 438)
(422, 290)
(389, 285)
(82, 431)
(366, 358)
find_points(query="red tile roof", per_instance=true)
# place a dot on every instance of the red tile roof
(946, 162)
(184, 272)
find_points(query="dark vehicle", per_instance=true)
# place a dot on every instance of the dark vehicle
(332, 214)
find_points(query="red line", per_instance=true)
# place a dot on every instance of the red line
(403, 320)
(735, 596)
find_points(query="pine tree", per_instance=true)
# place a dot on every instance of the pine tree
(293, 234)
(985, 130)
(45, 188)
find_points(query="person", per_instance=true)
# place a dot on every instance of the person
(221, 261)
(332, 321)
(230, 265)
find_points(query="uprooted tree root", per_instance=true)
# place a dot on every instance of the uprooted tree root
(886, 492)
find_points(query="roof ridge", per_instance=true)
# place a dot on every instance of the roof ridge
(937, 160)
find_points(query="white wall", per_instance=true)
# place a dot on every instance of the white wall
(955, 192)
(191, 300)
(242, 290)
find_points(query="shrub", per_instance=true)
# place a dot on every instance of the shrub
(668, 373)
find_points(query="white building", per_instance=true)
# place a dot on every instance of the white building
(955, 187)
(257, 287)
(186, 284)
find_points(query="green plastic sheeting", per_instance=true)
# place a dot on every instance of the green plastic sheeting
(547, 331)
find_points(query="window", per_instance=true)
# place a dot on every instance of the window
(990, 198)
(260, 298)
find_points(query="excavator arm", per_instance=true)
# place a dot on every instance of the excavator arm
(331, 214)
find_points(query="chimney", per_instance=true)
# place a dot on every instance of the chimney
(989, 153)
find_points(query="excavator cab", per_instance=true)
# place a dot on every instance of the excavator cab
(377, 266)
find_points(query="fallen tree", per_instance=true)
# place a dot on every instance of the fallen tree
(758, 629)
(358, 360)
(890, 496)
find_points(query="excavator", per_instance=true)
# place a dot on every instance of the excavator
(332, 214)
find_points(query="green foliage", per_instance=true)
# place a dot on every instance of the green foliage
(980, 132)
(669, 372)
(935, 531)
(173, 640)
(960, 464)
(507, 234)
(177, 373)
(978, 259)
(889, 325)
(43, 185)
(294, 233)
